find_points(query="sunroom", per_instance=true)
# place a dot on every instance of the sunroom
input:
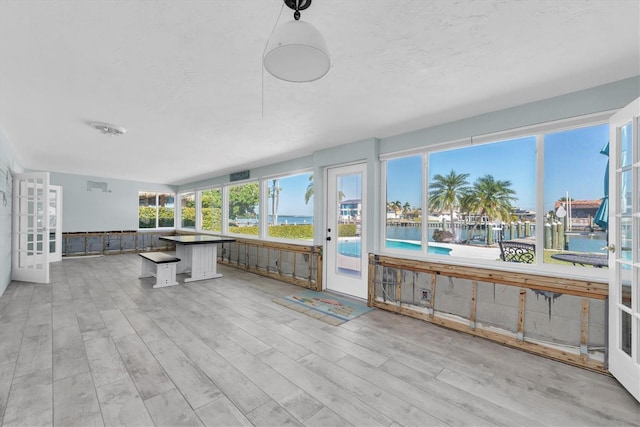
(464, 170)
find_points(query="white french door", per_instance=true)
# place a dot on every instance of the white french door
(30, 242)
(346, 243)
(624, 243)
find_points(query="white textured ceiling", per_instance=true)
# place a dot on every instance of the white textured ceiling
(185, 77)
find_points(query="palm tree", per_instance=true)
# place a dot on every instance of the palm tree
(397, 206)
(466, 203)
(274, 195)
(446, 192)
(406, 208)
(492, 198)
(309, 193)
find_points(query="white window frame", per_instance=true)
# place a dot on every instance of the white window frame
(175, 204)
(225, 209)
(264, 204)
(538, 131)
(199, 209)
(178, 214)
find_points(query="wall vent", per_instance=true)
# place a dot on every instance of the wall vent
(93, 185)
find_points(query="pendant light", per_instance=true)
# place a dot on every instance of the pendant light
(296, 51)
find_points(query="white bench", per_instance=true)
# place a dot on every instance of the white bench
(161, 266)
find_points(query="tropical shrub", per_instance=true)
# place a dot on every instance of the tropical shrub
(347, 230)
(249, 229)
(292, 231)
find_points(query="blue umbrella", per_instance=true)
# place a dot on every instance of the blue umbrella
(601, 218)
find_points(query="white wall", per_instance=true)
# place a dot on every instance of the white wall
(594, 100)
(114, 210)
(7, 169)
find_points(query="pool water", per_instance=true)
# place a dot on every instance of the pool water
(352, 247)
(588, 243)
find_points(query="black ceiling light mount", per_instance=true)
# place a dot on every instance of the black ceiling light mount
(297, 6)
(296, 51)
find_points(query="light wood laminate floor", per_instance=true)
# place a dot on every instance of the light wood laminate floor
(98, 346)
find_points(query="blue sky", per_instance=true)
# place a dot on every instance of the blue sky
(351, 186)
(573, 163)
(292, 193)
(294, 187)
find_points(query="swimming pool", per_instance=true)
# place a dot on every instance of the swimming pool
(351, 247)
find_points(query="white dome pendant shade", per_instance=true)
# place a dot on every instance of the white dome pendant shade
(297, 52)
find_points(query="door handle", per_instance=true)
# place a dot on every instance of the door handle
(610, 248)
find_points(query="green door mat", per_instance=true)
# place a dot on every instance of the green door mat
(323, 306)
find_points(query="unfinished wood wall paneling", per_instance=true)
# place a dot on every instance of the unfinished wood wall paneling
(113, 242)
(510, 341)
(585, 288)
(521, 309)
(258, 250)
(432, 303)
(246, 256)
(584, 329)
(238, 254)
(386, 272)
(371, 279)
(317, 260)
(295, 262)
(286, 271)
(474, 303)
(268, 265)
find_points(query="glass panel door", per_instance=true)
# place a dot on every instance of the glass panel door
(624, 238)
(30, 260)
(346, 249)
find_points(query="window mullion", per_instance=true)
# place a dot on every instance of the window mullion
(540, 213)
(157, 210)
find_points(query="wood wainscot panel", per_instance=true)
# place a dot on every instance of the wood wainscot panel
(386, 292)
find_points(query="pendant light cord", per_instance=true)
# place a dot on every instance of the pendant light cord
(264, 51)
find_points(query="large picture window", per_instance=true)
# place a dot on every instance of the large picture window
(155, 210)
(211, 209)
(290, 207)
(575, 165)
(243, 208)
(532, 199)
(404, 203)
(477, 193)
(188, 210)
